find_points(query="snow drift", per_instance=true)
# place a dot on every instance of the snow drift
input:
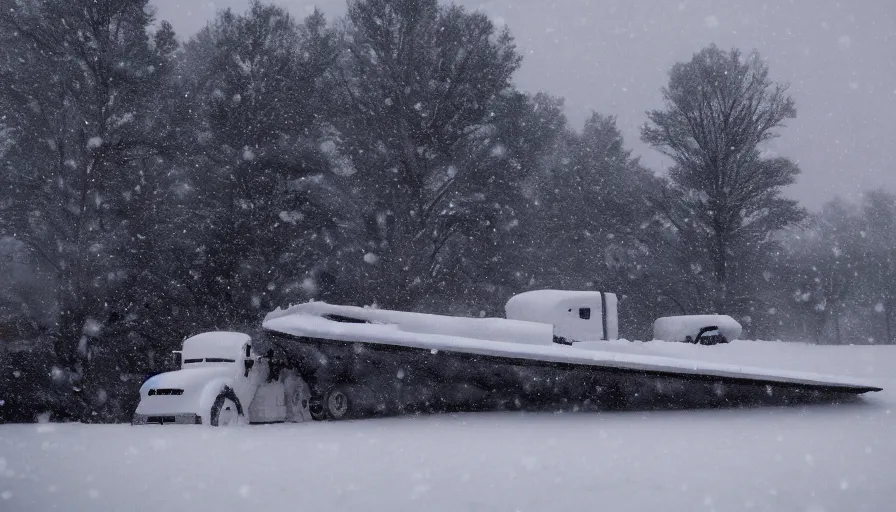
(816, 458)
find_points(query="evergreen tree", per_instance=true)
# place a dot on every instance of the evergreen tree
(420, 84)
(77, 84)
(263, 183)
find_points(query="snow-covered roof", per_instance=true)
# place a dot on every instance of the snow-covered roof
(221, 344)
(547, 298)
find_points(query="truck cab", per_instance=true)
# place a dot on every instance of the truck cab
(575, 316)
(222, 381)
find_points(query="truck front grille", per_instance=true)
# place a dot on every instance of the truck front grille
(164, 419)
(166, 391)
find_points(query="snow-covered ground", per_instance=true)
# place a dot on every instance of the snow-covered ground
(816, 458)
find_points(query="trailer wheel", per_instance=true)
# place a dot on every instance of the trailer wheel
(338, 403)
(316, 408)
(226, 410)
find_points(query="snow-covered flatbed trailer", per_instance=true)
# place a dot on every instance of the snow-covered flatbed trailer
(555, 348)
(360, 361)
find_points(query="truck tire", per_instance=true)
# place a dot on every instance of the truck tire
(316, 408)
(226, 411)
(338, 403)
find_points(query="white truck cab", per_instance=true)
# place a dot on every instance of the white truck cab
(575, 315)
(222, 381)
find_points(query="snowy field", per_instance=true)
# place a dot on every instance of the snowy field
(807, 458)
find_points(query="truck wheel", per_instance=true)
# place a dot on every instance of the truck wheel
(338, 403)
(226, 410)
(316, 408)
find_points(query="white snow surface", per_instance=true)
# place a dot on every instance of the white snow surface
(807, 459)
(415, 330)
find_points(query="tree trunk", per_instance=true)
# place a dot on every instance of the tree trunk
(888, 307)
(837, 326)
(721, 271)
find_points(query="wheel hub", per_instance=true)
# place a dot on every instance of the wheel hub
(337, 403)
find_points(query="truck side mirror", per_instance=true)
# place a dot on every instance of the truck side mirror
(176, 358)
(249, 364)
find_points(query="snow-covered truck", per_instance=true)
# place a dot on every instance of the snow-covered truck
(352, 362)
(223, 381)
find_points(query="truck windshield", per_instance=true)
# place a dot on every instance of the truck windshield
(210, 360)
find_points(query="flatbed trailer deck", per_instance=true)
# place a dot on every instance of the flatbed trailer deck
(377, 367)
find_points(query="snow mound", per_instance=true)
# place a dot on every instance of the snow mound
(833, 458)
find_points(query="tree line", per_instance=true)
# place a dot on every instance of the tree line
(150, 189)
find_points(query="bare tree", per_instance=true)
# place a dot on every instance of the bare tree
(723, 202)
(589, 225)
(879, 234)
(832, 256)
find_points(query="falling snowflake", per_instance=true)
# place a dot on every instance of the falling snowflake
(291, 217)
(309, 286)
(92, 327)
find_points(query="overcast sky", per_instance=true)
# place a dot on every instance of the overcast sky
(613, 56)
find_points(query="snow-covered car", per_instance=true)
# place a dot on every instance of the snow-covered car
(697, 329)
(222, 381)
